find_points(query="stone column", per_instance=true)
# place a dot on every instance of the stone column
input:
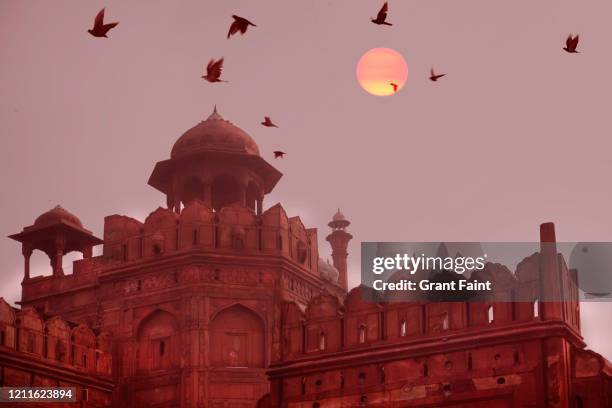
(60, 246)
(208, 193)
(26, 250)
(87, 252)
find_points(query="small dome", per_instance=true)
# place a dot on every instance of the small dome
(328, 271)
(56, 216)
(214, 134)
(338, 216)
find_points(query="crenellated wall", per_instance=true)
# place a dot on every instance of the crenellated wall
(354, 351)
(51, 352)
(234, 228)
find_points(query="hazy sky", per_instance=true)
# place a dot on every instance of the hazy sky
(517, 132)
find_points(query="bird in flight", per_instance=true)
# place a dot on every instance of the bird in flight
(381, 17)
(213, 71)
(268, 122)
(100, 29)
(571, 43)
(239, 24)
(433, 76)
(394, 85)
(279, 154)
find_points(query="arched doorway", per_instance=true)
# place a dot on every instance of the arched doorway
(237, 338)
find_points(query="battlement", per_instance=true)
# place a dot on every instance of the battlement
(330, 325)
(54, 340)
(233, 229)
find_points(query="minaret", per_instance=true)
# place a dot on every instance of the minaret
(339, 240)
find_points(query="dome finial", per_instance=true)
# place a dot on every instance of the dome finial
(215, 115)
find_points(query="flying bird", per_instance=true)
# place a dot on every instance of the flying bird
(395, 86)
(240, 24)
(433, 76)
(214, 70)
(571, 43)
(279, 154)
(268, 122)
(381, 17)
(100, 29)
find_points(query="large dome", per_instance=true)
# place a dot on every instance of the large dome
(56, 216)
(214, 134)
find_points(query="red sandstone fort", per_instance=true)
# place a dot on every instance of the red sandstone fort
(214, 302)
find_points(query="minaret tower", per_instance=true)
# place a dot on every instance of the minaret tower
(339, 240)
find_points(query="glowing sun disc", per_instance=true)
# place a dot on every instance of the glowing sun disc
(378, 68)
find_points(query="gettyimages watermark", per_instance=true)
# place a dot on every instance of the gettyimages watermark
(486, 271)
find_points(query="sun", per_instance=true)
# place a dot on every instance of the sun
(379, 68)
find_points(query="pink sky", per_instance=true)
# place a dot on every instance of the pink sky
(517, 133)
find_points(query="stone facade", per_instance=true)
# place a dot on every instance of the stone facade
(192, 295)
(214, 302)
(38, 351)
(354, 353)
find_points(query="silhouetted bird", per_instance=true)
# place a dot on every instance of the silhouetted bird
(433, 76)
(213, 71)
(395, 86)
(279, 154)
(100, 29)
(268, 122)
(381, 17)
(239, 24)
(571, 43)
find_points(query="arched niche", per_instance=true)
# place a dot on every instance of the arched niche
(237, 338)
(225, 190)
(158, 342)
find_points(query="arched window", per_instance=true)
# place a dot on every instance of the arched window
(322, 339)
(445, 322)
(403, 328)
(490, 314)
(362, 334)
(536, 308)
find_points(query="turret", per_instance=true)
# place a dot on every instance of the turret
(339, 240)
(217, 163)
(56, 233)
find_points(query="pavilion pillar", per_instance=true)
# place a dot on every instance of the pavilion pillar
(26, 250)
(60, 247)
